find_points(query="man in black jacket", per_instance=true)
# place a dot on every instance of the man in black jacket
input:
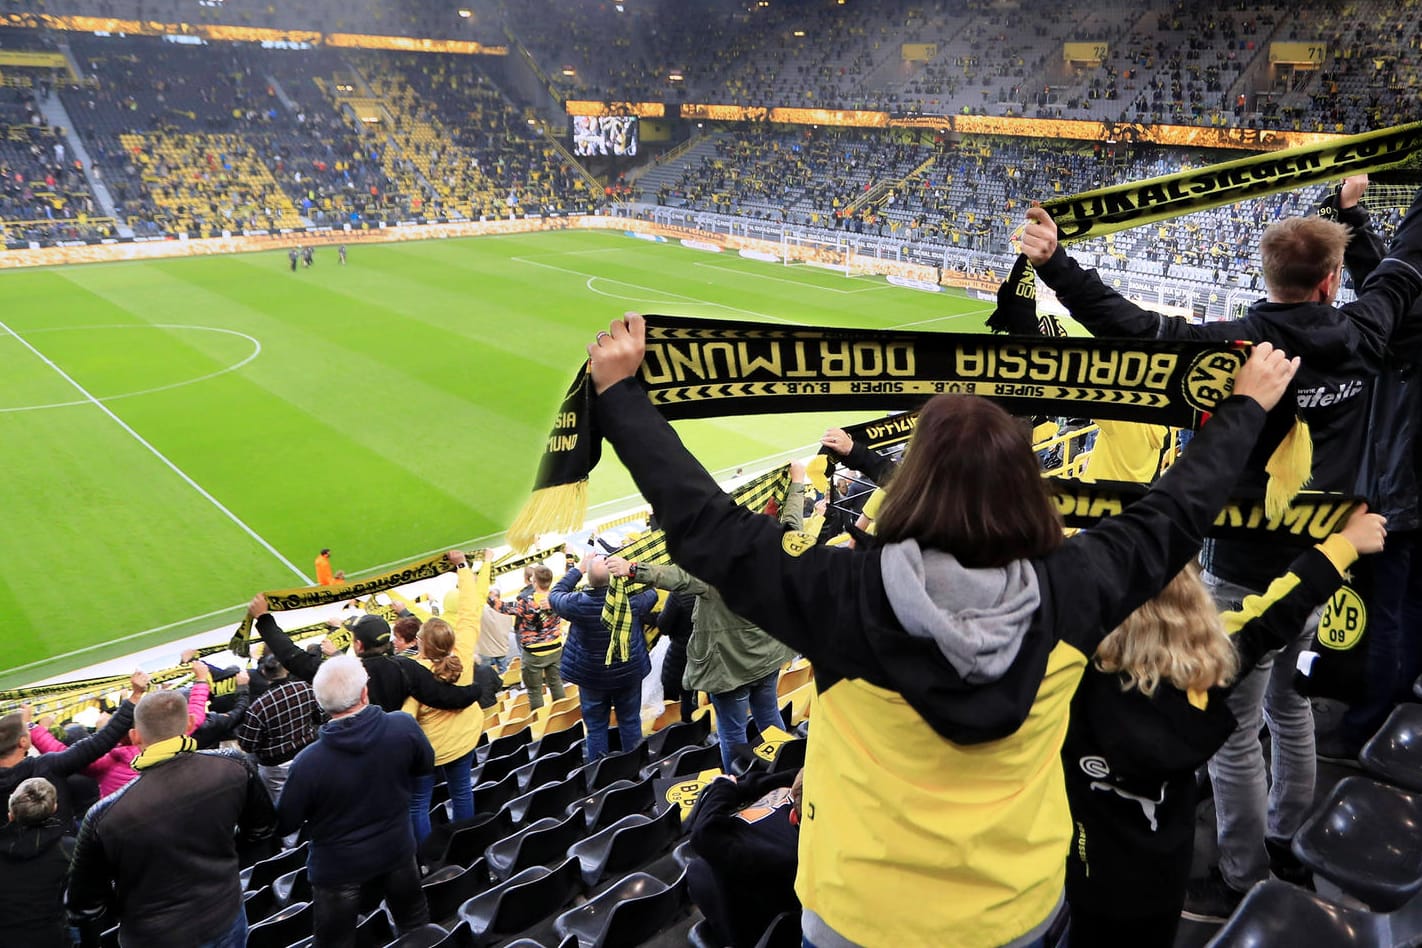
(16, 767)
(393, 678)
(1343, 350)
(169, 840)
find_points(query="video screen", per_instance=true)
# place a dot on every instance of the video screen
(605, 135)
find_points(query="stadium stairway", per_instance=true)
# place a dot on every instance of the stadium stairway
(669, 171)
(54, 112)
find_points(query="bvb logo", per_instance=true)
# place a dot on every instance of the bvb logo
(1343, 621)
(796, 542)
(684, 794)
(1211, 379)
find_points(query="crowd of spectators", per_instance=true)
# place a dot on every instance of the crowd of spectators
(1193, 62)
(43, 192)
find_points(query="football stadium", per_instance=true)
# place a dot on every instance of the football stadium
(717, 473)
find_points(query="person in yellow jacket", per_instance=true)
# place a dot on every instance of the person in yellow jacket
(450, 653)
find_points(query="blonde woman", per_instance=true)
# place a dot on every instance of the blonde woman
(1150, 712)
(450, 653)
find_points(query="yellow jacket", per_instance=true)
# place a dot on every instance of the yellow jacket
(454, 733)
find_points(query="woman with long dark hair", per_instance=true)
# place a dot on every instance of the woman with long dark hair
(945, 655)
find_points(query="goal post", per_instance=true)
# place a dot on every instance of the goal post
(826, 252)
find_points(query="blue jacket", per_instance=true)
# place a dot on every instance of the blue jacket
(585, 651)
(352, 788)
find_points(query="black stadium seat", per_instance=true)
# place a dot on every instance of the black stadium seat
(627, 914)
(291, 924)
(607, 806)
(375, 931)
(1362, 838)
(469, 841)
(521, 902)
(1394, 754)
(259, 904)
(541, 844)
(497, 768)
(507, 744)
(294, 886)
(1276, 913)
(551, 800)
(491, 797)
(679, 736)
(690, 760)
(614, 767)
(426, 936)
(550, 768)
(451, 887)
(630, 842)
(789, 756)
(560, 741)
(266, 871)
(782, 932)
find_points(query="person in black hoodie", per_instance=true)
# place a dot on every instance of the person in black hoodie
(1150, 711)
(674, 622)
(745, 835)
(1343, 350)
(34, 859)
(351, 789)
(393, 678)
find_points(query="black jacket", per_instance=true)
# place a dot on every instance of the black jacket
(166, 844)
(675, 623)
(751, 851)
(55, 767)
(33, 863)
(1130, 760)
(1343, 350)
(393, 678)
(221, 726)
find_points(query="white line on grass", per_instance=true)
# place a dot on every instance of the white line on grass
(256, 351)
(800, 283)
(939, 319)
(159, 455)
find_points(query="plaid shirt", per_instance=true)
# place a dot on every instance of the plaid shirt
(281, 722)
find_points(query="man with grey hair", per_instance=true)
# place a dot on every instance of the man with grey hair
(169, 840)
(34, 857)
(351, 789)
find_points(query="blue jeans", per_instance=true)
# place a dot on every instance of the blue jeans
(597, 706)
(501, 663)
(234, 937)
(1249, 808)
(461, 794)
(759, 700)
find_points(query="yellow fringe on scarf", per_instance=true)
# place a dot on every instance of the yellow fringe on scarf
(1288, 469)
(557, 509)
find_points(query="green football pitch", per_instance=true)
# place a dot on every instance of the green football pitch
(181, 434)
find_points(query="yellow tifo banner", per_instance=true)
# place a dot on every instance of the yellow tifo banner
(1107, 210)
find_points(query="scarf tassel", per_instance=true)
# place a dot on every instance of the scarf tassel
(561, 508)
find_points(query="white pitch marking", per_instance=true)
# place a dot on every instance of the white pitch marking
(160, 456)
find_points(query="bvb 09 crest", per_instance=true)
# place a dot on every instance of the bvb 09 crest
(1343, 621)
(1210, 379)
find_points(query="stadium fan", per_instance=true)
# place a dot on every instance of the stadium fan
(745, 834)
(404, 636)
(34, 860)
(1342, 351)
(674, 622)
(448, 652)
(938, 734)
(351, 790)
(605, 682)
(279, 724)
(540, 635)
(114, 770)
(728, 657)
(221, 682)
(216, 727)
(393, 678)
(495, 632)
(16, 766)
(170, 840)
(1150, 711)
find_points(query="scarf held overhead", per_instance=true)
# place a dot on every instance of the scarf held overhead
(704, 368)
